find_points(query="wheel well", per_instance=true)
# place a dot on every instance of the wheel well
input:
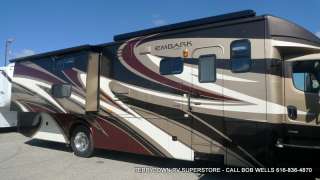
(75, 125)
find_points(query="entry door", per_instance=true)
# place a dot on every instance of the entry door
(205, 103)
(302, 103)
(245, 105)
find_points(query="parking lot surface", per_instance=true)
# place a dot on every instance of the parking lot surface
(23, 158)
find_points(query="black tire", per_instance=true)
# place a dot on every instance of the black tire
(79, 150)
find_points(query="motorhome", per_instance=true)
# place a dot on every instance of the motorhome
(8, 119)
(236, 89)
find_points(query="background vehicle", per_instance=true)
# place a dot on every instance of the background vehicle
(8, 119)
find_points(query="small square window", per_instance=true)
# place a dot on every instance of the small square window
(170, 66)
(207, 68)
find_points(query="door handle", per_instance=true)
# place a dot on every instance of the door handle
(292, 112)
(189, 103)
(188, 96)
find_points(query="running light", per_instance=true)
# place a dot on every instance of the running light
(185, 53)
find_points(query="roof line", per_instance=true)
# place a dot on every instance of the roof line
(187, 24)
(56, 52)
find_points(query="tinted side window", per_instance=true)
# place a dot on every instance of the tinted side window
(240, 56)
(62, 64)
(306, 76)
(207, 68)
(61, 90)
(171, 66)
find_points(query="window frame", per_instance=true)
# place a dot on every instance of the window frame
(171, 59)
(215, 68)
(232, 58)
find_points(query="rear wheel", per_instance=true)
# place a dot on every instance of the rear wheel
(82, 142)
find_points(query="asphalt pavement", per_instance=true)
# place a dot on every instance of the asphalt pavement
(23, 158)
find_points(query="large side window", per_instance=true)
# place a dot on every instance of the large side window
(170, 66)
(207, 68)
(306, 75)
(240, 56)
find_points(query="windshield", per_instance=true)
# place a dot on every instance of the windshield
(306, 75)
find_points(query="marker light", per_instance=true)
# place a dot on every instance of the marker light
(185, 53)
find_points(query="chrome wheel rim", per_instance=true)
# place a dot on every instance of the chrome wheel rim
(81, 141)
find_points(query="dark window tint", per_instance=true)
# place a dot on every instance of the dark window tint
(171, 66)
(62, 64)
(240, 56)
(61, 90)
(207, 68)
(306, 75)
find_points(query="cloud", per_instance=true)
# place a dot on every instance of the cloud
(159, 22)
(24, 53)
(318, 34)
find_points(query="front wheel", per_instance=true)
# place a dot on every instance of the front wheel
(81, 142)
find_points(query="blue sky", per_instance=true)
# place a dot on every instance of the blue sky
(42, 25)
